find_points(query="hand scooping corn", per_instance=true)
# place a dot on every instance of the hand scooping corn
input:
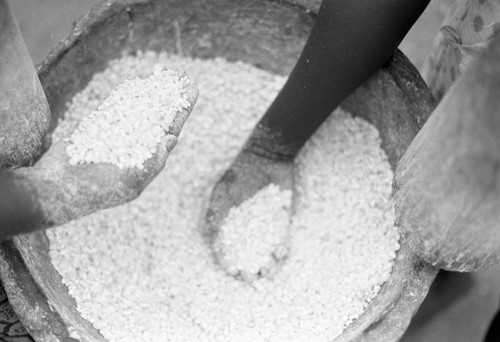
(118, 149)
(254, 239)
(111, 155)
(248, 216)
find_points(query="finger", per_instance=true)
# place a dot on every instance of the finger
(191, 95)
(156, 163)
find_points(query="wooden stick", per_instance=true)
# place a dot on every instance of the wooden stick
(447, 185)
(24, 111)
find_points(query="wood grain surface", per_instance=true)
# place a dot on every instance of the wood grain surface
(447, 186)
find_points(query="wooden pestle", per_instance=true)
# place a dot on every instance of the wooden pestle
(24, 111)
(447, 185)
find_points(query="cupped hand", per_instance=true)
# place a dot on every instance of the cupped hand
(54, 192)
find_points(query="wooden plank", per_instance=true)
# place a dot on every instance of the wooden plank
(447, 185)
(24, 111)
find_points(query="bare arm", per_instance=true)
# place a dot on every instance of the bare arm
(350, 40)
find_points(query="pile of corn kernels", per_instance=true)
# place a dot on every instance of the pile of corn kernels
(144, 271)
(127, 126)
(253, 240)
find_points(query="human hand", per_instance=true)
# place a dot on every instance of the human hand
(54, 191)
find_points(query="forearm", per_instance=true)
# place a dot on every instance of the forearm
(38, 198)
(350, 40)
(52, 192)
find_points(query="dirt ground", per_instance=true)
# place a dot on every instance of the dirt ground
(460, 305)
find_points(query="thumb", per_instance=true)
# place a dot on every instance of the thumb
(156, 163)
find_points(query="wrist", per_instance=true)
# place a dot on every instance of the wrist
(268, 144)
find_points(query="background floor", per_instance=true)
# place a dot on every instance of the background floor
(459, 307)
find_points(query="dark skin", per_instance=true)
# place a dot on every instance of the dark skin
(349, 42)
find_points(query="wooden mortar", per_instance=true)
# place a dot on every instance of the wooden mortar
(266, 33)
